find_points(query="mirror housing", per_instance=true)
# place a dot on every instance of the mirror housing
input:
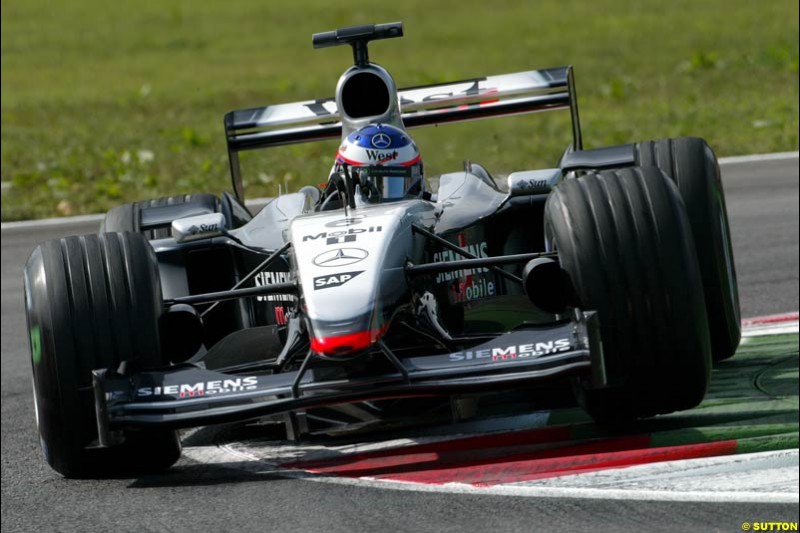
(198, 227)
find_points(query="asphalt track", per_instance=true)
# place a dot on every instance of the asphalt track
(763, 208)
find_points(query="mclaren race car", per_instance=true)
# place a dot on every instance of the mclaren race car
(612, 270)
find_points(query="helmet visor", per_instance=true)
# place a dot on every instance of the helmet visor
(388, 183)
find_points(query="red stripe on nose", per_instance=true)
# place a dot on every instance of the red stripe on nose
(343, 344)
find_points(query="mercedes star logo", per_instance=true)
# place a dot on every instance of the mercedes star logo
(340, 257)
(381, 140)
(352, 221)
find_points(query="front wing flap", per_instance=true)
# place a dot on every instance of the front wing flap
(187, 395)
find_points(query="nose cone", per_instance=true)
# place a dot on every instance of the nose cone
(346, 344)
(351, 274)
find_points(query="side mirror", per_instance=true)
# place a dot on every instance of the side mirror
(529, 182)
(198, 227)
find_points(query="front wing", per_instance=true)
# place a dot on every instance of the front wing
(187, 395)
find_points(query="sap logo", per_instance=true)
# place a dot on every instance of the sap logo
(382, 157)
(334, 280)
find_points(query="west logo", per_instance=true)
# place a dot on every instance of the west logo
(382, 157)
(334, 280)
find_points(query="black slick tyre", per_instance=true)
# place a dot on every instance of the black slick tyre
(624, 238)
(692, 165)
(92, 302)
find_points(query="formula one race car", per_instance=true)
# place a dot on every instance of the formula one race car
(613, 270)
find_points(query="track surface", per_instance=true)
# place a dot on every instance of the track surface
(763, 209)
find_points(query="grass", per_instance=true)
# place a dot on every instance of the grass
(110, 102)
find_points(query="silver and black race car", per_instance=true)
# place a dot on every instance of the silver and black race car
(613, 270)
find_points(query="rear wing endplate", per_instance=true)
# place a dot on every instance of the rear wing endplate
(491, 96)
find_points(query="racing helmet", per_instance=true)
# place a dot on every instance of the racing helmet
(383, 161)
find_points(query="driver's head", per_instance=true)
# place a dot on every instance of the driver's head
(384, 161)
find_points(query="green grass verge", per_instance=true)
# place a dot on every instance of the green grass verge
(104, 103)
(752, 399)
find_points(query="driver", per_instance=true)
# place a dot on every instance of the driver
(384, 163)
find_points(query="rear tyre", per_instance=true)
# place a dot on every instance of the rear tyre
(92, 302)
(127, 217)
(692, 165)
(624, 238)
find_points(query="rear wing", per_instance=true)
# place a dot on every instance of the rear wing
(491, 96)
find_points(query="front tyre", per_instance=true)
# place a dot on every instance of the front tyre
(624, 238)
(692, 165)
(92, 302)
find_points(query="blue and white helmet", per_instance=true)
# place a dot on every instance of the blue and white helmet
(385, 161)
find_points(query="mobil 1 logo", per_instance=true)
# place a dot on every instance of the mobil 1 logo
(334, 280)
(341, 236)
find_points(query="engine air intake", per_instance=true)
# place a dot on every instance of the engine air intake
(365, 94)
